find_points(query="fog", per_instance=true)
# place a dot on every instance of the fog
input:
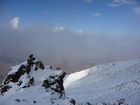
(70, 49)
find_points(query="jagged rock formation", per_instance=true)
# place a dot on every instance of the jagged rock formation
(55, 83)
(32, 73)
(16, 76)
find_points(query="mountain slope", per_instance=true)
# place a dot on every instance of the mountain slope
(33, 83)
(106, 83)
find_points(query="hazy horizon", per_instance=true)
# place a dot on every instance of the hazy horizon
(71, 34)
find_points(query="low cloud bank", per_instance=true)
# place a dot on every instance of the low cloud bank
(67, 48)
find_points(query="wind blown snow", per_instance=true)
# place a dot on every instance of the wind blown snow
(106, 83)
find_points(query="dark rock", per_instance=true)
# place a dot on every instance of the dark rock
(39, 64)
(30, 60)
(4, 89)
(28, 68)
(31, 56)
(55, 83)
(26, 86)
(15, 77)
(19, 83)
(88, 103)
(58, 68)
(121, 101)
(31, 81)
(34, 102)
(17, 100)
(46, 84)
(50, 67)
(72, 101)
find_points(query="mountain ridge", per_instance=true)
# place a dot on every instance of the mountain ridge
(116, 83)
(106, 83)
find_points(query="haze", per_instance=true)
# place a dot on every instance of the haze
(73, 35)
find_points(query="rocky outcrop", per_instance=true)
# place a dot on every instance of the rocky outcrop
(33, 73)
(15, 74)
(55, 83)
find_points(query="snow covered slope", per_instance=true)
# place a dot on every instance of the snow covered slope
(32, 83)
(117, 82)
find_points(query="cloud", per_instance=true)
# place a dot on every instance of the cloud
(59, 29)
(15, 22)
(80, 31)
(96, 14)
(118, 3)
(88, 1)
(114, 5)
(137, 10)
(66, 48)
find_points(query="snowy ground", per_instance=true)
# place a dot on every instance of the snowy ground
(106, 83)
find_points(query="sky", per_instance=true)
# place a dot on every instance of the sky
(114, 16)
(71, 33)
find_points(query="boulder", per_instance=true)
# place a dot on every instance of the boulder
(55, 83)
